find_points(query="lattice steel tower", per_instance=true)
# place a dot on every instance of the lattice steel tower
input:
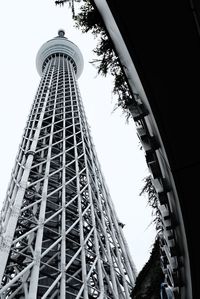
(60, 236)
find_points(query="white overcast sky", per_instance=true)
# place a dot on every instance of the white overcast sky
(24, 27)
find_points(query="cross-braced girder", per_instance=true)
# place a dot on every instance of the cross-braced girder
(60, 236)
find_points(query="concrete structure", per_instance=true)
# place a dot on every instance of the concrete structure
(158, 44)
(60, 236)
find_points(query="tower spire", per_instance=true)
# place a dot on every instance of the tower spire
(61, 33)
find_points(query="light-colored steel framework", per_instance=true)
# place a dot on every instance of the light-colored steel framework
(60, 235)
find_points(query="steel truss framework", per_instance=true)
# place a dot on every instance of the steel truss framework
(60, 236)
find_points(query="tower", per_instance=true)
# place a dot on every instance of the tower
(59, 234)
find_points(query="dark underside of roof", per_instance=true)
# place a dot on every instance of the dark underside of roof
(164, 43)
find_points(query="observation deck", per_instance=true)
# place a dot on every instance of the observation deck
(60, 45)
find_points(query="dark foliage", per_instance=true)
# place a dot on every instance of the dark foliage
(88, 19)
(152, 201)
(148, 281)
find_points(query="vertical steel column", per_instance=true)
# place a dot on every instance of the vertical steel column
(63, 243)
(38, 244)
